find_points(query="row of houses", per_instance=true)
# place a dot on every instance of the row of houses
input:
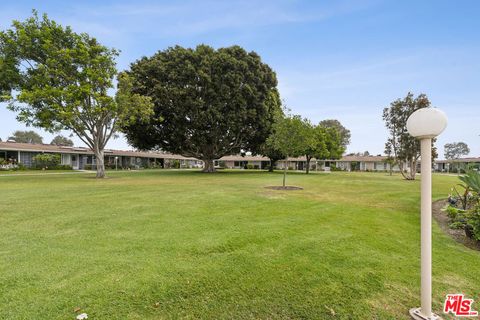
(80, 158)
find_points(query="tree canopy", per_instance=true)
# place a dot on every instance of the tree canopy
(26, 137)
(62, 141)
(325, 142)
(455, 150)
(404, 147)
(208, 102)
(57, 79)
(291, 136)
(344, 133)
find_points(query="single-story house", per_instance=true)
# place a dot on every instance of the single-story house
(346, 163)
(456, 165)
(83, 158)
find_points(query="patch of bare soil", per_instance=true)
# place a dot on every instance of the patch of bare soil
(444, 222)
(284, 188)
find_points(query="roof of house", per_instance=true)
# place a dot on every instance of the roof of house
(364, 158)
(303, 158)
(244, 158)
(470, 159)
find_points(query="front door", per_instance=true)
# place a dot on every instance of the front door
(75, 161)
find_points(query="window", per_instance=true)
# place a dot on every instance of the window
(26, 158)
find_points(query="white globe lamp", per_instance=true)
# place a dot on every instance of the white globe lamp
(425, 124)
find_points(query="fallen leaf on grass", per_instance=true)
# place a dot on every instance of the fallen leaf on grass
(332, 312)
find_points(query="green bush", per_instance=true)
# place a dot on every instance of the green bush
(457, 225)
(469, 201)
(250, 166)
(472, 226)
(46, 161)
(87, 167)
(453, 212)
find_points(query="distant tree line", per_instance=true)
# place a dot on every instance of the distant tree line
(30, 136)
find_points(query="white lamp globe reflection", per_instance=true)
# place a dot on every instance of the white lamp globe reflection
(426, 123)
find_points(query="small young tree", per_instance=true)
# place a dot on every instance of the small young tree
(390, 160)
(454, 151)
(26, 137)
(291, 137)
(406, 149)
(62, 141)
(57, 79)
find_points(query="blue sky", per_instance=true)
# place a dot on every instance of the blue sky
(334, 59)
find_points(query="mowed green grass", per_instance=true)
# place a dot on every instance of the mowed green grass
(182, 244)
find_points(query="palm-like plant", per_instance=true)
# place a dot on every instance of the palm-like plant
(471, 180)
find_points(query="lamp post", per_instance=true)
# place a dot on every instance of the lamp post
(116, 163)
(425, 124)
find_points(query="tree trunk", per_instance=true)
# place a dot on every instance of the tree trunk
(272, 164)
(284, 172)
(413, 170)
(208, 166)
(100, 164)
(308, 164)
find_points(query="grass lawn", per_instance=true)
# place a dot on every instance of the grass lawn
(182, 244)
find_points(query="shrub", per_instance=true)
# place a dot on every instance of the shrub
(175, 164)
(46, 161)
(468, 215)
(473, 223)
(87, 167)
(453, 212)
(250, 166)
(457, 225)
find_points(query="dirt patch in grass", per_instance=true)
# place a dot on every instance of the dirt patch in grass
(444, 222)
(284, 188)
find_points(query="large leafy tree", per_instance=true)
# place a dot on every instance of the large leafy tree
(345, 134)
(60, 140)
(291, 136)
(208, 103)
(26, 137)
(57, 79)
(404, 147)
